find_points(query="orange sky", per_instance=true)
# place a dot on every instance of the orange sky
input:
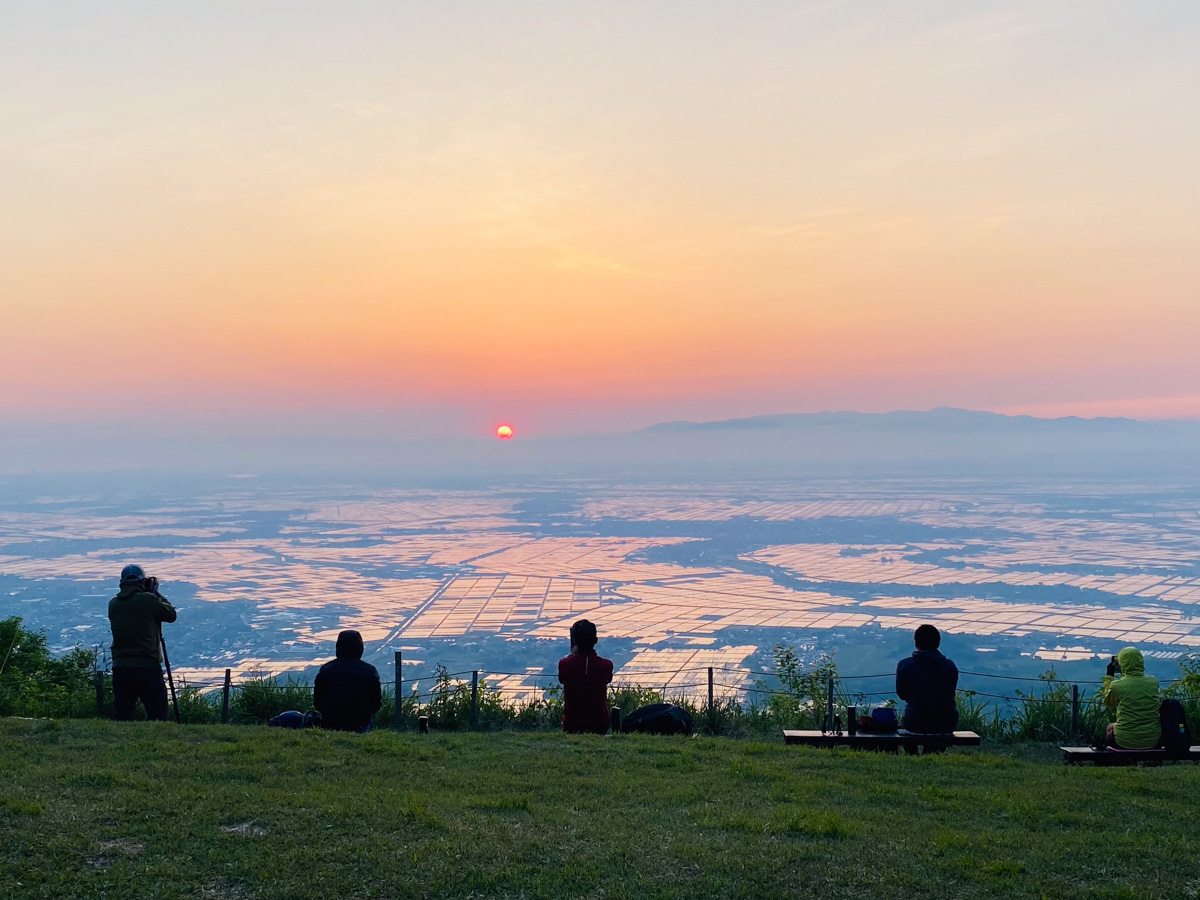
(586, 219)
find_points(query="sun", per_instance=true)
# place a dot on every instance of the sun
(504, 432)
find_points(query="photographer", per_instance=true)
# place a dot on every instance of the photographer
(1134, 695)
(136, 615)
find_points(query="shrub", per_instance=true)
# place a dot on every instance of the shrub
(803, 698)
(258, 700)
(1187, 689)
(975, 714)
(35, 683)
(197, 707)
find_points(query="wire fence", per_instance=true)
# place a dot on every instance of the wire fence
(264, 680)
(269, 681)
(719, 695)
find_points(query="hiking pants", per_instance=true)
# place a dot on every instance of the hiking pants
(134, 683)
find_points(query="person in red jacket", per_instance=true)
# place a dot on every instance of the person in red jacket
(585, 678)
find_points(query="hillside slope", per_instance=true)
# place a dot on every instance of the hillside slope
(98, 809)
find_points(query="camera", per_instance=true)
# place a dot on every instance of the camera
(1114, 667)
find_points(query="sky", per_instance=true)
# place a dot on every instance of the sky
(593, 217)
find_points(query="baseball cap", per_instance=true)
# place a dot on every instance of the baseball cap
(132, 573)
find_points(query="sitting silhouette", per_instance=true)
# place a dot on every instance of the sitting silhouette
(585, 677)
(926, 682)
(347, 691)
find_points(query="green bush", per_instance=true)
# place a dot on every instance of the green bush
(802, 700)
(198, 707)
(1187, 688)
(258, 700)
(35, 683)
(975, 714)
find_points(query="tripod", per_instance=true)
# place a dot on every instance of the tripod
(170, 678)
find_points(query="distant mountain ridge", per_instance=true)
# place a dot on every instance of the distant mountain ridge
(939, 418)
(939, 441)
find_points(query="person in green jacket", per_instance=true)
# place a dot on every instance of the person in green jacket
(136, 615)
(1134, 695)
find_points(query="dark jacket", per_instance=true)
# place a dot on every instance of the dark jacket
(926, 682)
(347, 693)
(136, 616)
(585, 678)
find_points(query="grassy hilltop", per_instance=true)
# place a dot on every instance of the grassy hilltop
(101, 809)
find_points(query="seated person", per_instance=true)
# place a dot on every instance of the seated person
(585, 678)
(1134, 695)
(926, 682)
(347, 691)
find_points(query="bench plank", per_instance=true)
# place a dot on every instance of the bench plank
(1075, 755)
(878, 741)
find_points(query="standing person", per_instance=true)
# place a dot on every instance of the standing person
(585, 677)
(1134, 695)
(347, 691)
(926, 682)
(136, 615)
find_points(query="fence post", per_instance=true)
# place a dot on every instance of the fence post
(99, 679)
(829, 705)
(712, 709)
(398, 716)
(474, 697)
(1074, 710)
(225, 690)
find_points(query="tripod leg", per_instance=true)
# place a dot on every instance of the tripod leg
(170, 678)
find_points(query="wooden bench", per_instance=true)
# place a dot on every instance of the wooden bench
(890, 743)
(1077, 755)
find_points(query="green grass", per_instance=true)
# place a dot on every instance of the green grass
(102, 809)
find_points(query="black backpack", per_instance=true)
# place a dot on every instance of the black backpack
(1172, 719)
(658, 718)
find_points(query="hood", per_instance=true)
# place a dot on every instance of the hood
(128, 589)
(1131, 661)
(349, 645)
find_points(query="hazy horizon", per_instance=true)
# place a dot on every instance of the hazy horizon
(942, 439)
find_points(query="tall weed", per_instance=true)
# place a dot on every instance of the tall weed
(258, 700)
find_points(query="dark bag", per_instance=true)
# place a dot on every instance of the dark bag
(293, 718)
(658, 718)
(881, 721)
(1172, 719)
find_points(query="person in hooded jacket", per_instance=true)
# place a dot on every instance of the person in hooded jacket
(347, 691)
(926, 682)
(1134, 695)
(136, 615)
(585, 677)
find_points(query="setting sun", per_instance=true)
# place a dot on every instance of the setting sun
(504, 432)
